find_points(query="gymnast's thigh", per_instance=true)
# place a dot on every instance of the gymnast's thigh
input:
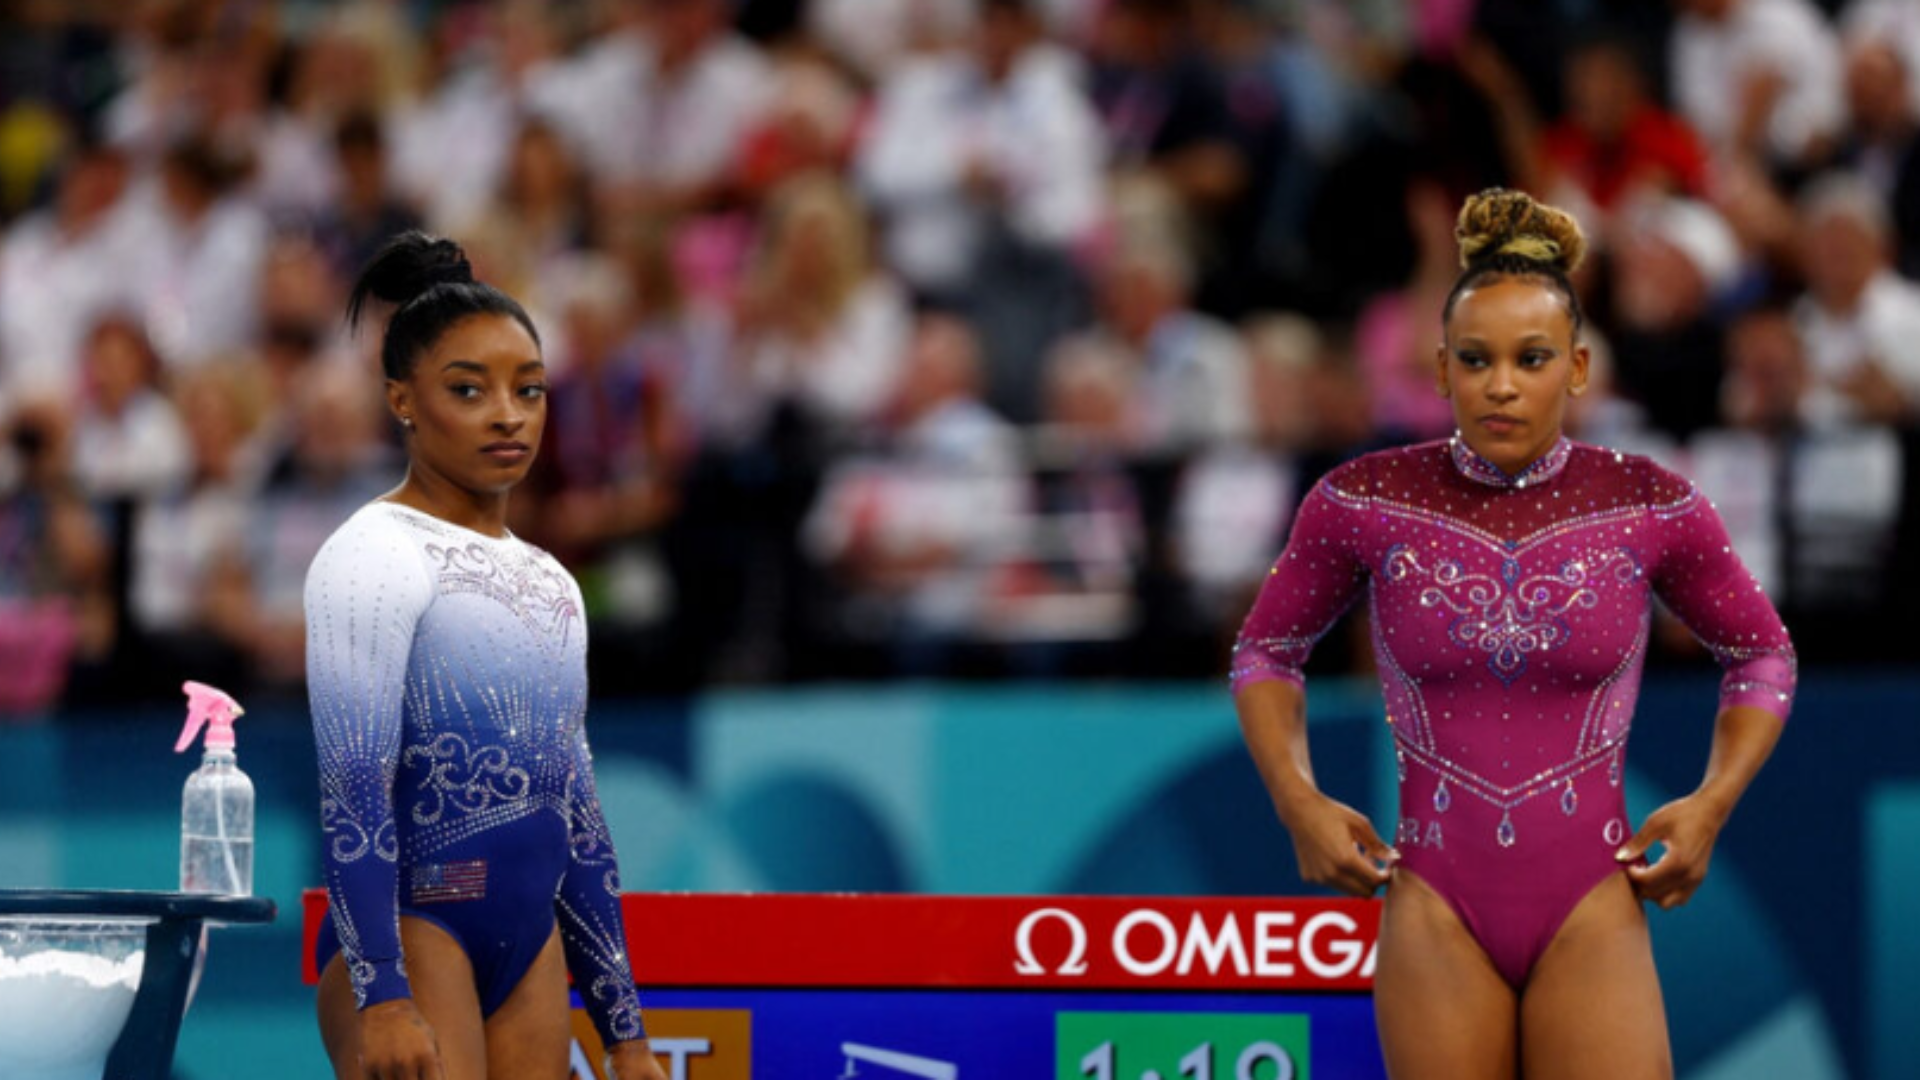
(1444, 1013)
(1592, 1007)
(444, 991)
(530, 1035)
(339, 1019)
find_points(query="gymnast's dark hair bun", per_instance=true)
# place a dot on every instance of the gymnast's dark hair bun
(430, 284)
(1501, 223)
(407, 266)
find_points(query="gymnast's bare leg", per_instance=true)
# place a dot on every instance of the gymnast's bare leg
(1444, 1013)
(1592, 1008)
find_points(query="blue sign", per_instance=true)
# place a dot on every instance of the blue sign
(1012, 1035)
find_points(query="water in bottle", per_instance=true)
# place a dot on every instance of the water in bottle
(216, 808)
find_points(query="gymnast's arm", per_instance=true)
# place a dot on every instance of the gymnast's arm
(1705, 584)
(365, 594)
(1313, 582)
(591, 930)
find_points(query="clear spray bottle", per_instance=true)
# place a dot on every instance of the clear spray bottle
(216, 809)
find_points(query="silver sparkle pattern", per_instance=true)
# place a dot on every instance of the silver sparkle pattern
(1544, 582)
(1511, 617)
(447, 680)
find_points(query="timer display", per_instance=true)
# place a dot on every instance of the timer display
(1181, 1046)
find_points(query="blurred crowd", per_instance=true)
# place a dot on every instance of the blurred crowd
(946, 338)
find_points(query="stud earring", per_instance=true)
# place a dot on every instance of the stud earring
(407, 422)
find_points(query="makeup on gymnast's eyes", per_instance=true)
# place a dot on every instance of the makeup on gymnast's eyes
(1474, 359)
(467, 388)
(467, 391)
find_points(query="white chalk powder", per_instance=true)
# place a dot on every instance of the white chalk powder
(85, 968)
(61, 1011)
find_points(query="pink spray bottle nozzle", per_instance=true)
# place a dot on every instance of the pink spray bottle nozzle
(210, 708)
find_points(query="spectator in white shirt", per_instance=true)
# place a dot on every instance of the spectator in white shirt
(962, 143)
(659, 111)
(1233, 503)
(164, 63)
(1758, 76)
(61, 269)
(920, 532)
(872, 36)
(821, 328)
(1192, 384)
(1860, 320)
(987, 165)
(128, 442)
(193, 537)
(538, 220)
(353, 61)
(202, 290)
(1883, 143)
(1812, 510)
(450, 149)
(333, 463)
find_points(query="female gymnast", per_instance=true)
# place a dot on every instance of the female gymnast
(468, 866)
(1510, 574)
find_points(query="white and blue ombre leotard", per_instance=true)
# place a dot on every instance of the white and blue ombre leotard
(447, 675)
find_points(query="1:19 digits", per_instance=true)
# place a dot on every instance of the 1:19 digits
(1100, 1063)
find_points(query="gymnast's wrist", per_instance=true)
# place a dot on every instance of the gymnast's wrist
(633, 1050)
(1296, 799)
(386, 982)
(1717, 802)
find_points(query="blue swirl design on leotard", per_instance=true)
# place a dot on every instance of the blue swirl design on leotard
(447, 678)
(465, 778)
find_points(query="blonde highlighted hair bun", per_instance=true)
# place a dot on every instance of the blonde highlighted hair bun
(1500, 222)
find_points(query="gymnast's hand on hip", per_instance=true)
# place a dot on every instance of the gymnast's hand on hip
(1337, 847)
(397, 1043)
(1688, 827)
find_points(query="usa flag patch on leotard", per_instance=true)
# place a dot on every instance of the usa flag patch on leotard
(441, 883)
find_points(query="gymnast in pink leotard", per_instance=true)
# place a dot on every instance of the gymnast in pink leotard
(1510, 575)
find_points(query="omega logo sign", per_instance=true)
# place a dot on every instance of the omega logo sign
(1146, 943)
(1076, 961)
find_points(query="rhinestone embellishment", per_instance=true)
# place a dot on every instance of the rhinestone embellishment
(1476, 468)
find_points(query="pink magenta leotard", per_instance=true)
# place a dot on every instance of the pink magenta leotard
(1510, 616)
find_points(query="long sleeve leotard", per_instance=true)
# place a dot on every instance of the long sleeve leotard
(447, 679)
(1510, 617)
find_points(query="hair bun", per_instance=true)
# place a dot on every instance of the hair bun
(1502, 223)
(409, 265)
(443, 262)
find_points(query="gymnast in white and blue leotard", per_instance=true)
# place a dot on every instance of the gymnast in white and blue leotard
(466, 854)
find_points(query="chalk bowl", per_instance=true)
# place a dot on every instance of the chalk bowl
(66, 987)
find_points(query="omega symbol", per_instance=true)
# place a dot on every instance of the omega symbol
(1076, 961)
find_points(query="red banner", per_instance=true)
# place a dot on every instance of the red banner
(1011, 942)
